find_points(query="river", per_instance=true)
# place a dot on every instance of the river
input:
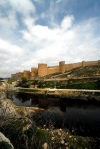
(80, 117)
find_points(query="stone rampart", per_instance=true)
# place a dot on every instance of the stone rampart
(89, 63)
(75, 65)
(53, 69)
(83, 63)
(62, 66)
(19, 74)
(42, 70)
(68, 67)
(98, 62)
(13, 76)
(34, 72)
(27, 74)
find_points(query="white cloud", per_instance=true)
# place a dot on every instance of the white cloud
(49, 43)
(10, 56)
(8, 17)
(23, 6)
(67, 22)
(7, 47)
(10, 20)
(39, 1)
(66, 42)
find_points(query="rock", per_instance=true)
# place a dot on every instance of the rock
(5, 142)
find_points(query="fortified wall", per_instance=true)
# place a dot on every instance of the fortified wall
(43, 70)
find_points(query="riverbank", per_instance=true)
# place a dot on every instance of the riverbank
(76, 94)
(22, 131)
(12, 110)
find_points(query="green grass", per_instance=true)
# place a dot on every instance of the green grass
(10, 81)
(29, 90)
(86, 71)
(87, 85)
(83, 83)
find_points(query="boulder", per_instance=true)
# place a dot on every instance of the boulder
(5, 142)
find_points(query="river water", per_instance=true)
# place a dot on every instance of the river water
(80, 117)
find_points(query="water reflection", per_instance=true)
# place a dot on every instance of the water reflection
(80, 117)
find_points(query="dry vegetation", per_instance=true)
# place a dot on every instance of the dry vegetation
(18, 125)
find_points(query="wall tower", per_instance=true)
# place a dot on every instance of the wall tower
(83, 63)
(42, 70)
(34, 72)
(62, 66)
(27, 74)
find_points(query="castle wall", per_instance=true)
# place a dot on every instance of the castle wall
(19, 74)
(83, 63)
(68, 67)
(98, 62)
(62, 66)
(75, 65)
(89, 63)
(53, 69)
(13, 76)
(27, 74)
(34, 72)
(42, 70)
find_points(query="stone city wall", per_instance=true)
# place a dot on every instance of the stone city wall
(27, 74)
(62, 66)
(53, 69)
(98, 62)
(75, 65)
(43, 70)
(13, 76)
(34, 72)
(89, 63)
(19, 74)
(68, 67)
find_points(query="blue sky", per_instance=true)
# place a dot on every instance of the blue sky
(47, 31)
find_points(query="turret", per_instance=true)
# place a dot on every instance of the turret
(27, 74)
(42, 70)
(62, 66)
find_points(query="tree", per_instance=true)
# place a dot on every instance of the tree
(23, 79)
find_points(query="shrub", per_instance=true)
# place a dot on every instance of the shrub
(5, 145)
(23, 79)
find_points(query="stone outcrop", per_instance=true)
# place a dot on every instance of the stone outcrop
(5, 142)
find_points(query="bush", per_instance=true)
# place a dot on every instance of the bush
(24, 82)
(5, 145)
(23, 79)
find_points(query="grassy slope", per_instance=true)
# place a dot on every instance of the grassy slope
(79, 78)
